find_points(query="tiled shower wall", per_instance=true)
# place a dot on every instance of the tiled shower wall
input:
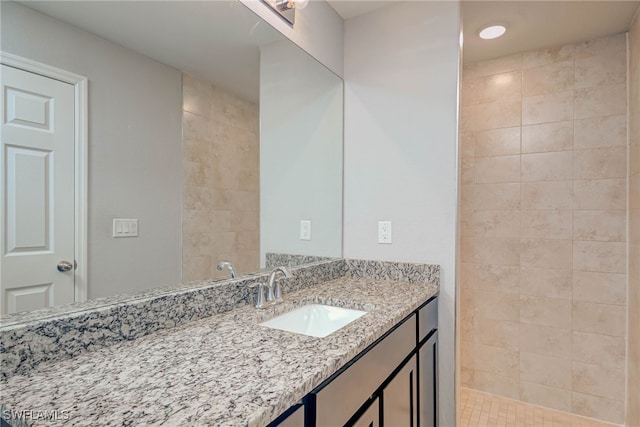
(221, 161)
(543, 227)
(633, 372)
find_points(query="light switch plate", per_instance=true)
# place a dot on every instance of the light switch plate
(305, 229)
(125, 227)
(384, 232)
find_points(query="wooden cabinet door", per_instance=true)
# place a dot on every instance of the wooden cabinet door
(400, 397)
(371, 417)
(428, 360)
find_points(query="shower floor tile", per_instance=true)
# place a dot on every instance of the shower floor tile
(479, 409)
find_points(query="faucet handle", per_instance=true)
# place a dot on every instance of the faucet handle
(259, 299)
(270, 292)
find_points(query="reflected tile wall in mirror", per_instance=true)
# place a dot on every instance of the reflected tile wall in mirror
(221, 161)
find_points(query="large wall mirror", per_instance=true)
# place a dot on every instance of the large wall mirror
(210, 137)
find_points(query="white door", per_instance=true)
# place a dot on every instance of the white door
(37, 191)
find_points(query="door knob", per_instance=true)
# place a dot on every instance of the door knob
(64, 266)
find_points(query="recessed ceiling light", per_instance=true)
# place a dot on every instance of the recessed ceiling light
(492, 32)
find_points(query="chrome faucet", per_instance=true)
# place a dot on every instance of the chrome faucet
(227, 264)
(273, 290)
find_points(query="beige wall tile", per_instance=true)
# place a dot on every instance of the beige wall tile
(222, 199)
(499, 114)
(499, 87)
(599, 349)
(550, 397)
(596, 163)
(196, 198)
(195, 150)
(221, 221)
(497, 278)
(497, 305)
(546, 224)
(493, 66)
(550, 78)
(467, 197)
(545, 282)
(466, 275)
(467, 249)
(496, 197)
(496, 223)
(245, 221)
(196, 96)
(497, 333)
(601, 70)
(549, 371)
(554, 166)
(606, 257)
(465, 222)
(600, 101)
(607, 288)
(196, 221)
(598, 380)
(557, 136)
(497, 142)
(601, 46)
(600, 194)
(497, 169)
(196, 268)
(605, 319)
(554, 312)
(467, 91)
(545, 341)
(197, 244)
(467, 118)
(467, 174)
(467, 145)
(541, 253)
(598, 407)
(496, 384)
(225, 243)
(600, 225)
(547, 195)
(555, 107)
(601, 132)
(548, 56)
(467, 377)
(496, 360)
(194, 126)
(497, 251)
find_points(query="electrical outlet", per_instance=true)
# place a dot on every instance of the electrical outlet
(125, 227)
(384, 232)
(305, 229)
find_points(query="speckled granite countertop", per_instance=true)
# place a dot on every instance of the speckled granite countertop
(223, 370)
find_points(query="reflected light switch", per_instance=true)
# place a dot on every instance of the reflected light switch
(125, 227)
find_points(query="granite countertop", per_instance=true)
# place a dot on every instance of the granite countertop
(221, 370)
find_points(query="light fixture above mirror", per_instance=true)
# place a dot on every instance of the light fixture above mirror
(286, 9)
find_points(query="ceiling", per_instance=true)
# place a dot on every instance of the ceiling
(218, 41)
(531, 25)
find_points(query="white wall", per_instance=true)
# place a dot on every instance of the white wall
(301, 116)
(135, 148)
(318, 30)
(401, 75)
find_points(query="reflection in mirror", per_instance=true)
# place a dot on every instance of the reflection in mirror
(217, 134)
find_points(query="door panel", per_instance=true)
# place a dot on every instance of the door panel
(429, 382)
(399, 397)
(38, 173)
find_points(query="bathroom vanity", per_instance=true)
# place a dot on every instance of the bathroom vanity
(225, 369)
(393, 382)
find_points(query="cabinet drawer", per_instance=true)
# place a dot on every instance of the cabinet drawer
(342, 397)
(427, 319)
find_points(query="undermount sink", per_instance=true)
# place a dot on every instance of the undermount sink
(315, 320)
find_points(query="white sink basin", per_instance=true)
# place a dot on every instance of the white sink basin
(314, 320)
